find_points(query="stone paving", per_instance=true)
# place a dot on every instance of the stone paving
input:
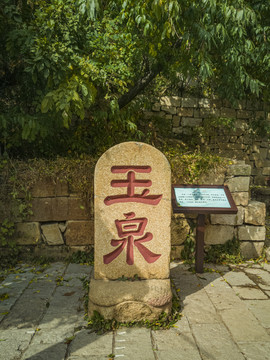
(226, 315)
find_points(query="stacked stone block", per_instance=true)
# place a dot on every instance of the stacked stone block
(186, 114)
(61, 221)
(248, 225)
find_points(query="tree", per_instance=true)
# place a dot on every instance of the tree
(78, 68)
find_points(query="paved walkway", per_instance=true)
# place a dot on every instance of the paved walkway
(225, 316)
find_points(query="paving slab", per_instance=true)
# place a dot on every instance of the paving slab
(13, 343)
(199, 309)
(255, 350)
(90, 345)
(171, 345)
(225, 316)
(215, 342)
(55, 328)
(261, 310)
(219, 291)
(238, 278)
(45, 352)
(134, 343)
(249, 293)
(243, 325)
(260, 276)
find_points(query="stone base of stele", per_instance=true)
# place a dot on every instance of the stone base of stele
(129, 300)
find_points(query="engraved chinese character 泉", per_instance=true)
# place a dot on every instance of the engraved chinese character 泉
(128, 229)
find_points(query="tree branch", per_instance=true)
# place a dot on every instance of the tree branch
(138, 88)
(145, 81)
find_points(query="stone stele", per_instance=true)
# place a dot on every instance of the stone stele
(132, 207)
(122, 175)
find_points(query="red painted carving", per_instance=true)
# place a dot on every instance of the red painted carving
(127, 229)
(131, 183)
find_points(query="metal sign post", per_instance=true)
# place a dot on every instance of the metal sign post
(202, 200)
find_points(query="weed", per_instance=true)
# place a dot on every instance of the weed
(224, 253)
(188, 252)
(4, 296)
(82, 257)
(100, 325)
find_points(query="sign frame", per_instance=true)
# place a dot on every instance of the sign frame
(200, 209)
(202, 212)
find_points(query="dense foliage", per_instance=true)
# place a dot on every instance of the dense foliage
(73, 72)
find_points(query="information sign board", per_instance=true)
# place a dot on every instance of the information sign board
(202, 199)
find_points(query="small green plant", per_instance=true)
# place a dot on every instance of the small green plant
(82, 257)
(4, 296)
(188, 252)
(133, 278)
(224, 253)
(100, 325)
(7, 229)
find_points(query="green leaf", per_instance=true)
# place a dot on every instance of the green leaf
(65, 118)
(84, 90)
(45, 105)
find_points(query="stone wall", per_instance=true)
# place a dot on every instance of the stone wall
(62, 222)
(187, 115)
(248, 225)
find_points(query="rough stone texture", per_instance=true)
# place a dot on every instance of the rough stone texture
(52, 234)
(218, 234)
(130, 300)
(255, 350)
(191, 122)
(223, 219)
(79, 233)
(159, 216)
(126, 347)
(243, 325)
(190, 102)
(180, 228)
(176, 252)
(185, 112)
(156, 107)
(261, 277)
(267, 253)
(27, 233)
(59, 209)
(251, 233)
(184, 348)
(46, 352)
(241, 198)
(244, 114)
(170, 100)
(266, 170)
(239, 170)
(261, 310)
(222, 346)
(227, 112)
(238, 184)
(213, 178)
(255, 213)
(251, 250)
(49, 188)
(206, 113)
(249, 293)
(235, 278)
(169, 109)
